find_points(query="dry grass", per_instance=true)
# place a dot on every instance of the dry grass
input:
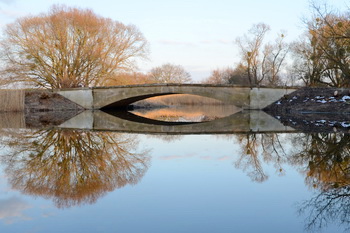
(192, 113)
(13, 120)
(11, 100)
(183, 99)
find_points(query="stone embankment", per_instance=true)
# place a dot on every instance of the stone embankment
(41, 101)
(46, 108)
(38, 108)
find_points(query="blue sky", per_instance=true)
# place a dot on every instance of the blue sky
(197, 34)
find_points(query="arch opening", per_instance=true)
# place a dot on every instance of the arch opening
(125, 103)
(183, 108)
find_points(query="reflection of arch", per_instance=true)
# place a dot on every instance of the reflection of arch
(238, 122)
(139, 119)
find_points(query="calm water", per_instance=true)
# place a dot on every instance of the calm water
(66, 180)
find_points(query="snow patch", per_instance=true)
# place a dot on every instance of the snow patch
(345, 124)
(345, 97)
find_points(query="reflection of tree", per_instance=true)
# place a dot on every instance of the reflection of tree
(72, 167)
(326, 161)
(332, 205)
(324, 158)
(258, 148)
(167, 138)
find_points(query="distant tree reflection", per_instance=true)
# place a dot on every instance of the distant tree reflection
(72, 167)
(328, 206)
(325, 160)
(257, 149)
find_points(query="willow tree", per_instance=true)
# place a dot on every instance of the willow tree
(69, 47)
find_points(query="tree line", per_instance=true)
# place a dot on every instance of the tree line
(320, 57)
(71, 47)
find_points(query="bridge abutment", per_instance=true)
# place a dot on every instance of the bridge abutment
(263, 97)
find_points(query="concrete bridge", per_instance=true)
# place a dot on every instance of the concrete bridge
(122, 96)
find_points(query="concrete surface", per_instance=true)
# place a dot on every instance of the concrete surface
(121, 96)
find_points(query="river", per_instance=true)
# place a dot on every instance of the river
(61, 178)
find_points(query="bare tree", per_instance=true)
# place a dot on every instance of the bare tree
(69, 47)
(275, 55)
(263, 61)
(169, 73)
(237, 75)
(323, 56)
(128, 78)
(250, 46)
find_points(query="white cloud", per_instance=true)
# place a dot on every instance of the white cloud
(206, 157)
(48, 214)
(218, 41)
(11, 13)
(11, 210)
(224, 158)
(171, 157)
(174, 42)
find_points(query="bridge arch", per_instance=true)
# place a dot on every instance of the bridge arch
(118, 97)
(122, 96)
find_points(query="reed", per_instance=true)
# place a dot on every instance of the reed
(12, 100)
(183, 99)
(12, 120)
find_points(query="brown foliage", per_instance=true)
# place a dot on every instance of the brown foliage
(322, 56)
(238, 76)
(72, 167)
(126, 78)
(169, 73)
(69, 47)
(11, 100)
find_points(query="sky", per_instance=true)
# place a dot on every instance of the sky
(196, 34)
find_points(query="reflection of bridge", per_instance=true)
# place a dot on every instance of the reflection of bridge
(241, 122)
(121, 96)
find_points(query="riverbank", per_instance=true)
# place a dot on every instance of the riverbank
(44, 108)
(314, 109)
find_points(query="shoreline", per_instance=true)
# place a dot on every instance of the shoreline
(307, 109)
(314, 110)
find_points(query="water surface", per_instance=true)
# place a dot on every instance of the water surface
(76, 180)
